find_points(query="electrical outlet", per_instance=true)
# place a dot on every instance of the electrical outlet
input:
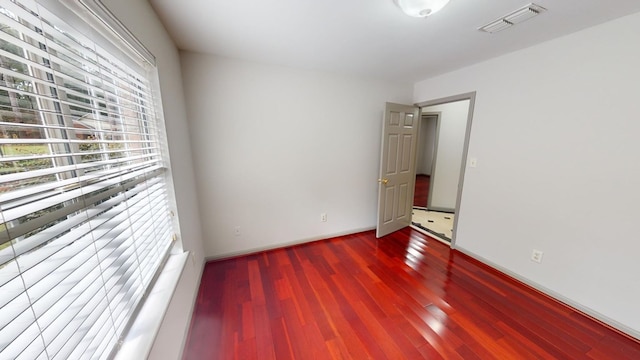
(323, 217)
(536, 256)
(236, 231)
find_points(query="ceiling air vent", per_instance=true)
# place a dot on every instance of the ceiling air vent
(513, 18)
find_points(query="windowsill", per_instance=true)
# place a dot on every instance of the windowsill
(139, 339)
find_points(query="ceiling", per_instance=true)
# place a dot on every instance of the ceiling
(371, 38)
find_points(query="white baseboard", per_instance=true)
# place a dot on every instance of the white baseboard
(548, 292)
(558, 297)
(285, 244)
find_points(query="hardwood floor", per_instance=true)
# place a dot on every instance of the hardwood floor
(421, 195)
(404, 296)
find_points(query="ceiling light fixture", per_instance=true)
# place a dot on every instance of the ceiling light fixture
(421, 8)
(515, 17)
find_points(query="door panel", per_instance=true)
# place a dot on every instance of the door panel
(397, 167)
(388, 207)
(407, 156)
(392, 164)
(402, 198)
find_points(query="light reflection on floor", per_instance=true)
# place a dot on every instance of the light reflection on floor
(433, 316)
(435, 324)
(415, 252)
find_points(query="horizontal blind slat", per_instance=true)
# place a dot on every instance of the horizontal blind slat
(83, 194)
(65, 196)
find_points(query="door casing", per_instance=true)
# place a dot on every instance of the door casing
(471, 96)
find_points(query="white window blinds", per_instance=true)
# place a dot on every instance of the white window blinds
(85, 221)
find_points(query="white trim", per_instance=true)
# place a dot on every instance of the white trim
(102, 13)
(192, 307)
(615, 325)
(286, 244)
(471, 96)
(139, 340)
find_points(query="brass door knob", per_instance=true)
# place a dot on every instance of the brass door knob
(383, 181)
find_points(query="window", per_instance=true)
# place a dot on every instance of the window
(85, 220)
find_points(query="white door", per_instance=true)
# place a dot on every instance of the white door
(397, 167)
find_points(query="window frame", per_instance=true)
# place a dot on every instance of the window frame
(112, 35)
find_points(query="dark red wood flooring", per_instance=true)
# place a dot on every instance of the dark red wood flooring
(403, 296)
(421, 195)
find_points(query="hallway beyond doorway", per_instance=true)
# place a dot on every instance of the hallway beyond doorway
(438, 225)
(421, 194)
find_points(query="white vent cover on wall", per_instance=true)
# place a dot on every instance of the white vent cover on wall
(515, 17)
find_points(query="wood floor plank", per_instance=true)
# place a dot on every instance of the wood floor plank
(421, 193)
(265, 344)
(403, 296)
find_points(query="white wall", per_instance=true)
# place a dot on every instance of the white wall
(275, 147)
(555, 131)
(426, 145)
(449, 153)
(140, 19)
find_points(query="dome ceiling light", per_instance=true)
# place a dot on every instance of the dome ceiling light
(420, 8)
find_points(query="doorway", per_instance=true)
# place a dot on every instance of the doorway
(427, 146)
(442, 145)
(398, 162)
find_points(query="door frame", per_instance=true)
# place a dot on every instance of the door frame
(471, 96)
